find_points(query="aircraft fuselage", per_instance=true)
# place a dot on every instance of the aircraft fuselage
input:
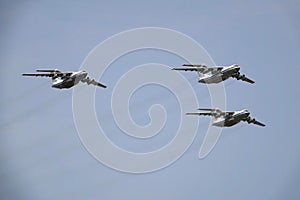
(232, 120)
(69, 81)
(221, 75)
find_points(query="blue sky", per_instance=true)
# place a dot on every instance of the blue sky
(41, 154)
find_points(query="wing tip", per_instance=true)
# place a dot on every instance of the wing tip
(47, 70)
(189, 113)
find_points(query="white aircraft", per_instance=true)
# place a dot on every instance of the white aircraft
(222, 119)
(215, 74)
(65, 79)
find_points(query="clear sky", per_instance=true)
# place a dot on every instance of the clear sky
(41, 154)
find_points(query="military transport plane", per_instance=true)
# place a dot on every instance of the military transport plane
(227, 119)
(215, 74)
(65, 79)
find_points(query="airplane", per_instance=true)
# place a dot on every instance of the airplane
(215, 74)
(63, 80)
(227, 118)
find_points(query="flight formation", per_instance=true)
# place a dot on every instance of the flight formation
(207, 75)
(218, 74)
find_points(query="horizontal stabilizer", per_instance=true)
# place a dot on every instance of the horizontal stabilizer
(238, 76)
(93, 82)
(258, 123)
(248, 80)
(253, 121)
(101, 85)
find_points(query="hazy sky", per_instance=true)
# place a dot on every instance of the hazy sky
(40, 151)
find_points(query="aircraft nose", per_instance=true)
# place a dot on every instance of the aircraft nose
(247, 112)
(201, 81)
(83, 74)
(237, 67)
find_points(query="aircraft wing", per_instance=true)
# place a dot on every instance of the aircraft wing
(217, 112)
(189, 69)
(63, 74)
(204, 66)
(192, 65)
(229, 112)
(202, 69)
(214, 68)
(211, 109)
(53, 74)
(42, 75)
(204, 114)
(47, 70)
